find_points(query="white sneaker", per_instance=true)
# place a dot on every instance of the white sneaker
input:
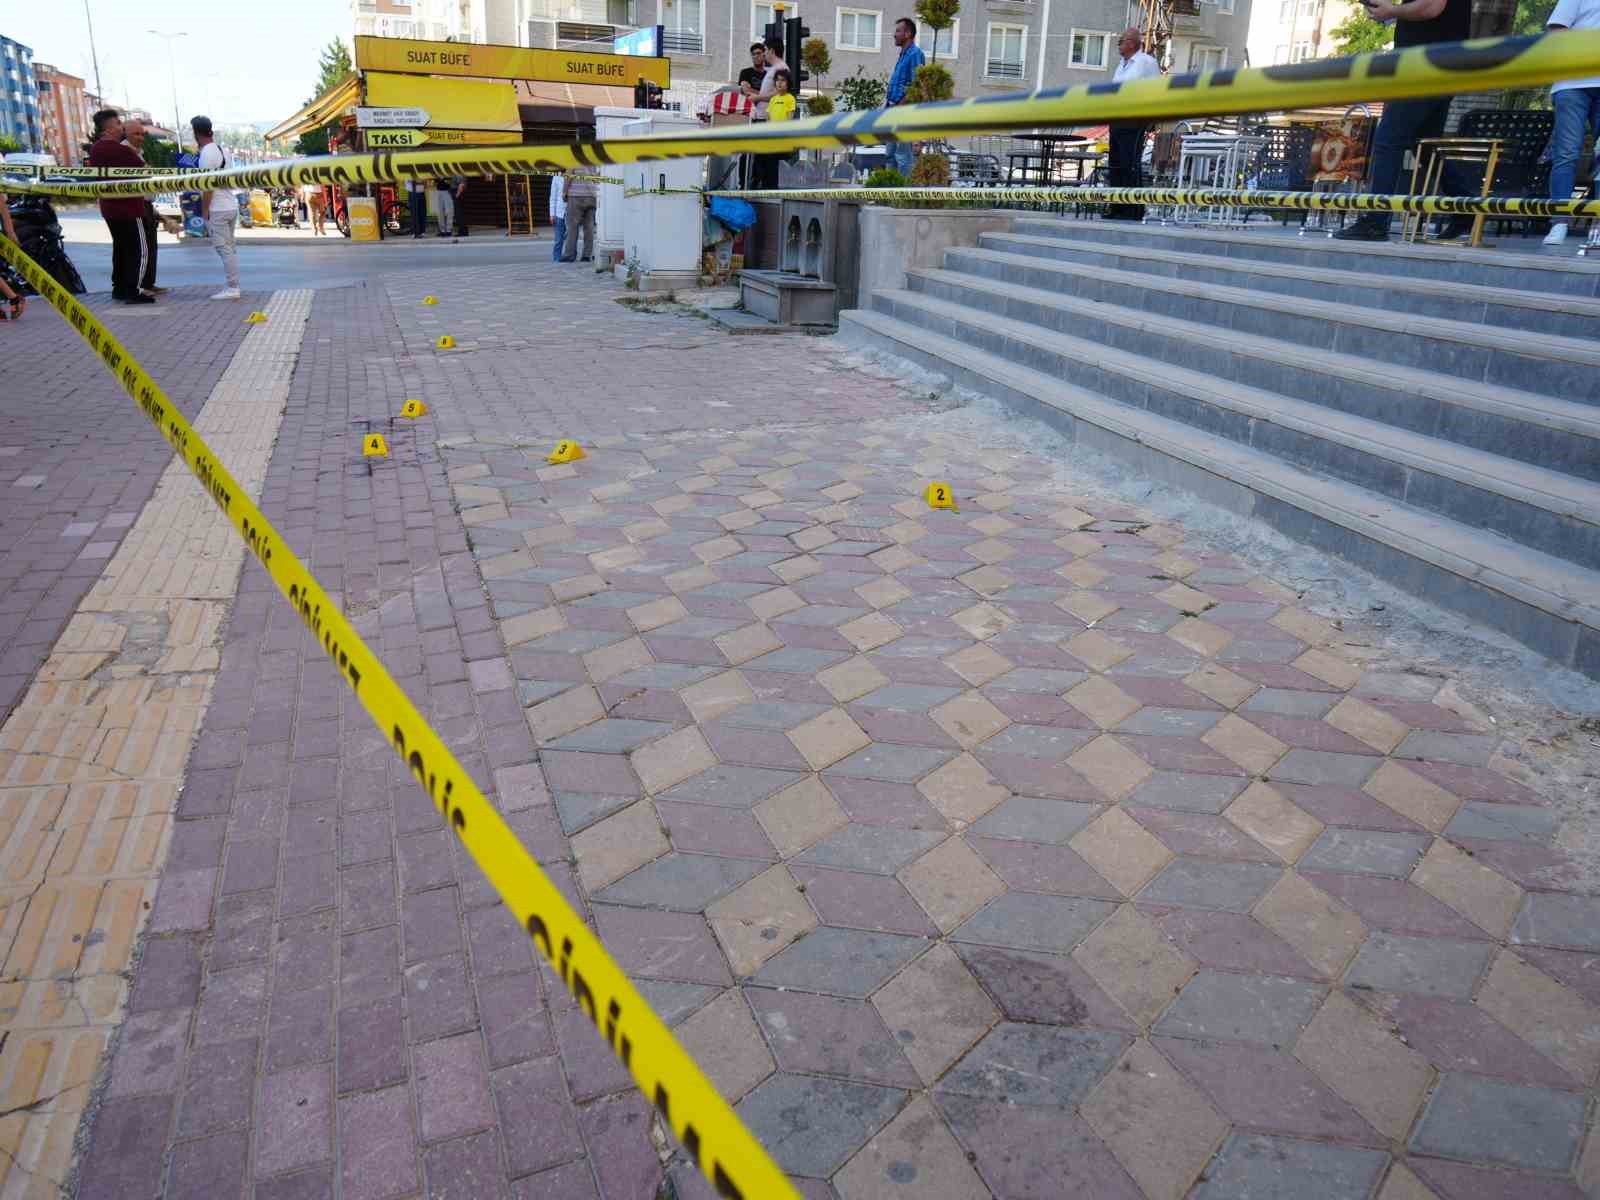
(1557, 235)
(227, 294)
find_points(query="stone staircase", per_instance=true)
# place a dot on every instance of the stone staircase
(1428, 413)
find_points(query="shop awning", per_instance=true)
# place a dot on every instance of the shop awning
(324, 110)
(542, 103)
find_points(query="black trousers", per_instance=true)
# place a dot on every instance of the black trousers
(151, 223)
(458, 214)
(419, 212)
(127, 255)
(1127, 147)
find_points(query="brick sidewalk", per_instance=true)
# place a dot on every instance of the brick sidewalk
(77, 461)
(1029, 850)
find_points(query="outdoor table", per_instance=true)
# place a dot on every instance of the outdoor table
(1044, 171)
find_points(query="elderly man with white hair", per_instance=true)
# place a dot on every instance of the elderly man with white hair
(1127, 137)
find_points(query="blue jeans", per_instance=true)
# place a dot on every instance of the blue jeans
(1404, 123)
(1577, 111)
(900, 156)
(561, 239)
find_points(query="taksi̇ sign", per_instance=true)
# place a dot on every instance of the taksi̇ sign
(391, 118)
(410, 57)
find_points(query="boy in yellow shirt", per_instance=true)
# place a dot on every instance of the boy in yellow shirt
(782, 105)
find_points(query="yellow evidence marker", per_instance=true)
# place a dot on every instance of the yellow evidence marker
(566, 451)
(256, 318)
(374, 446)
(430, 299)
(445, 342)
(413, 408)
(939, 495)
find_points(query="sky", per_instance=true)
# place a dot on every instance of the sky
(239, 63)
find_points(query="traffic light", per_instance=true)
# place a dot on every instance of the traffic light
(794, 40)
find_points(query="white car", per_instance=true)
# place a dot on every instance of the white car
(166, 206)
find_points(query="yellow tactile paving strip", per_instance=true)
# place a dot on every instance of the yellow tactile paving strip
(92, 759)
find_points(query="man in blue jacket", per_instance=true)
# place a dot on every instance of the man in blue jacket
(905, 70)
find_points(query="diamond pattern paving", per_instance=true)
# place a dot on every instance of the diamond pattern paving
(1034, 849)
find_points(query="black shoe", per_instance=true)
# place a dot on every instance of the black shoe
(1363, 230)
(1454, 228)
(139, 299)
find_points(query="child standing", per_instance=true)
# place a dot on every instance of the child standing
(782, 105)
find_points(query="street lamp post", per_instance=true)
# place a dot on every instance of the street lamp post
(172, 66)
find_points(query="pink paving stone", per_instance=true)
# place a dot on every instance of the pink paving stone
(1394, 905)
(661, 945)
(812, 637)
(1030, 867)
(377, 1157)
(1043, 988)
(855, 900)
(830, 1035)
(652, 704)
(1305, 734)
(1180, 754)
(692, 652)
(1160, 692)
(902, 668)
(1540, 868)
(538, 1121)
(871, 802)
(1348, 807)
(1037, 777)
(1230, 942)
(617, 1133)
(576, 771)
(908, 729)
(1457, 1181)
(1036, 1153)
(1422, 715)
(1036, 708)
(753, 747)
(452, 1087)
(707, 829)
(1200, 833)
(1580, 972)
(573, 1181)
(1280, 675)
(782, 685)
(294, 1123)
(1267, 1090)
(1456, 1035)
(1475, 783)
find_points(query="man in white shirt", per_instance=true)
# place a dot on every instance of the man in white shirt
(1127, 137)
(219, 208)
(1577, 105)
(558, 215)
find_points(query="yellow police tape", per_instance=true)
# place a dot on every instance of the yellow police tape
(1003, 197)
(1435, 70)
(703, 1122)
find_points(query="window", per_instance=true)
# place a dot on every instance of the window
(1006, 51)
(947, 41)
(1302, 51)
(1285, 12)
(1308, 8)
(1224, 6)
(857, 29)
(763, 13)
(1091, 50)
(1280, 54)
(1207, 58)
(684, 31)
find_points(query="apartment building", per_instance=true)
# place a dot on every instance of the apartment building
(19, 96)
(1291, 31)
(62, 115)
(995, 45)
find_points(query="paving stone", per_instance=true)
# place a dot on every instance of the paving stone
(1034, 1066)
(1272, 820)
(1430, 966)
(1200, 834)
(1161, 1129)
(621, 843)
(661, 945)
(892, 764)
(759, 919)
(1393, 905)
(935, 1011)
(856, 900)
(1046, 742)
(1182, 790)
(1366, 852)
(1486, 897)
(724, 1040)
(1034, 922)
(1044, 988)
(1022, 1151)
(829, 1035)
(962, 790)
(840, 962)
(1569, 922)
(1028, 819)
(1504, 822)
(1412, 796)
(732, 787)
(876, 848)
(1487, 1120)
(611, 736)
(950, 882)
(812, 1126)
(1544, 1013)
(1253, 1008)
(914, 1154)
(683, 882)
(1253, 1165)
(1371, 1069)
(1197, 883)
(1492, 1183)
(1121, 850)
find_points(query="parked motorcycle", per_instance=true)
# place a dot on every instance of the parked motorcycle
(39, 235)
(287, 212)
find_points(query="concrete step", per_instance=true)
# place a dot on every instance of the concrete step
(1556, 366)
(1556, 434)
(1503, 307)
(1534, 507)
(1547, 603)
(1554, 272)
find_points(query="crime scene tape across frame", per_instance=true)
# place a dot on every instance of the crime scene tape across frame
(702, 1121)
(1441, 69)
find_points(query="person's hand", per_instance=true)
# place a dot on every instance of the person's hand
(1380, 11)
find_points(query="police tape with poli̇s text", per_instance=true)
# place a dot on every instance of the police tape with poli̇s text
(1438, 69)
(702, 1121)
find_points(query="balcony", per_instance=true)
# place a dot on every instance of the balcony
(1000, 68)
(585, 35)
(682, 42)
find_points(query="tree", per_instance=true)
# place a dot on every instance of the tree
(931, 82)
(815, 58)
(937, 15)
(312, 141)
(861, 92)
(1360, 34)
(158, 152)
(10, 145)
(819, 105)
(1531, 16)
(332, 65)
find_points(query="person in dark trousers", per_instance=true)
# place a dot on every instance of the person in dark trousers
(580, 194)
(417, 198)
(764, 167)
(1406, 122)
(458, 203)
(133, 133)
(124, 215)
(1126, 150)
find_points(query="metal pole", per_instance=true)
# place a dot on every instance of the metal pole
(172, 68)
(93, 57)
